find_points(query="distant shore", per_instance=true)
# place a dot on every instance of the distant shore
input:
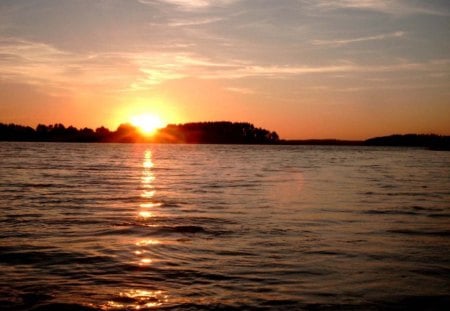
(430, 141)
(322, 142)
(223, 132)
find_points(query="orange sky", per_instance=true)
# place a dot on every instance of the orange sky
(306, 69)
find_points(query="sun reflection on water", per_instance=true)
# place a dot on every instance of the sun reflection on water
(147, 180)
(148, 208)
(145, 261)
(150, 205)
(145, 214)
(138, 299)
(149, 192)
(147, 242)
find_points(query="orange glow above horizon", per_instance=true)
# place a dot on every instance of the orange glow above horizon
(308, 83)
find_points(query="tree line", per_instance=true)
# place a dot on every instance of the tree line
(201, 132)
(217, 133)
(223, 132)
(431, 141)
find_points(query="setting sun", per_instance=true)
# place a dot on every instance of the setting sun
(147, 123)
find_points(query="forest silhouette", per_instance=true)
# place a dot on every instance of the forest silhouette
(223, 132)
(191, 133)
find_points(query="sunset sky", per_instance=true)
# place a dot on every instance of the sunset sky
(347, 69)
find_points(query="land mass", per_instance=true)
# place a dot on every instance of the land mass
(430, 141)
(223, 132)
(189, 133)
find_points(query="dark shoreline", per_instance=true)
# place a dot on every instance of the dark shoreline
(224, 132)
(312, 142)
(425, 141)
(321, 142)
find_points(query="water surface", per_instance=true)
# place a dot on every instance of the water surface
(135, 226)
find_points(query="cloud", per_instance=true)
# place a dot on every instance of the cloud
(183, 3)
(31, 60)
(340, 42)
(392, 7)
(194, 22)
(377, 5)
(55, 70)
(191, 4)
(399, 66)
(240, 90)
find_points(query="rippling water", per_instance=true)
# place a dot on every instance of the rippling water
(123, 226)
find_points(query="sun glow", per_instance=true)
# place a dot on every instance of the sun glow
(147, 123)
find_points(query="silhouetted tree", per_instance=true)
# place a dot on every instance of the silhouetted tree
(42, 132)
(103, 134)
(13, 132)
(125, 133)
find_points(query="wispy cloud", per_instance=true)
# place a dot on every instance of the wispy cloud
(378, 5)
(276, 71)
(55, 70)
(184, 3)
(193, 22)
(393, 7)
(44, 65)
(191, 4)
(340, 42)
(241, 90)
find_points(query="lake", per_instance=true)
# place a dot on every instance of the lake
(199, 227)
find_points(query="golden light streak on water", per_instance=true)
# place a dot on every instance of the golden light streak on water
(145, 214)
(147, 242)
(137, 299)
(148, 194)
(150, 205)
(145, 261)
(147, 180)
(112, 305)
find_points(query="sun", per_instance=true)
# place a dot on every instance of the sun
(147, 123)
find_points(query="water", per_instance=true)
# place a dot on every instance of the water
(126, 227)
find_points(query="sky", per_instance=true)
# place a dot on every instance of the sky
(347, 69)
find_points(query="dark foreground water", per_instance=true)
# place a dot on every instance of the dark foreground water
(128, 227)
